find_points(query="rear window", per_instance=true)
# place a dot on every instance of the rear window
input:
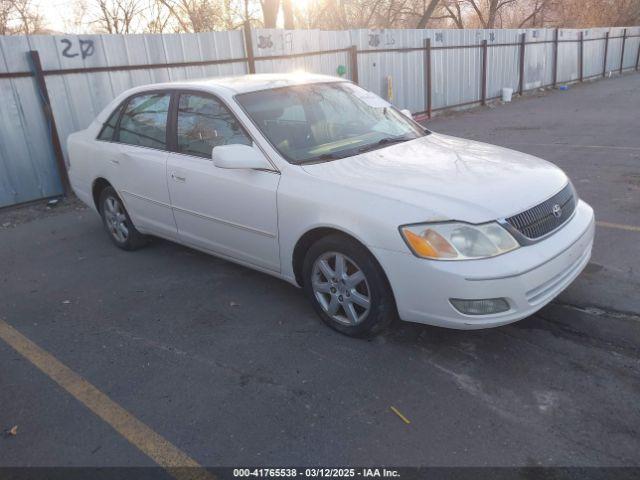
(144, 121)
(110, 125)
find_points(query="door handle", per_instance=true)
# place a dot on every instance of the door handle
(178, 178)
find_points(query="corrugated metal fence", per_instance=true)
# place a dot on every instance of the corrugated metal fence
(422, 70)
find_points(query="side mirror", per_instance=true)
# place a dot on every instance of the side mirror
(406, 112)
(239, 157)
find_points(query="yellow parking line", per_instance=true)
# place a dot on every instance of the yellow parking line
(619, 226)
(159, 449)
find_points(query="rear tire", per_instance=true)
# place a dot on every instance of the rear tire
(347, 287)
(117, 222)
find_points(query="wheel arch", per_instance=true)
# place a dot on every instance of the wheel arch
(99, 184)
(312, 236)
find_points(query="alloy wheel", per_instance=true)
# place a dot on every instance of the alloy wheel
(116, 219)
(341, 288)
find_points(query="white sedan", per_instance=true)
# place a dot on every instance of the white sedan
(325, 185)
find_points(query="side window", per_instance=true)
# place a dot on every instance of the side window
(204, 123)
(144, 121)
(110, 125)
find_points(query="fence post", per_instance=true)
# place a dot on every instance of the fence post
(523, 38)
(248, 48)
(353, 58)
(48, 113)
(606, 50)
(581, 55)
(484, 72)
(555, 58)
(624, 40)
(427, 76)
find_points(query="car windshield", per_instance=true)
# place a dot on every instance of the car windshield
(326, 121)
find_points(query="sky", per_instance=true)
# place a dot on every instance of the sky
(54, 12)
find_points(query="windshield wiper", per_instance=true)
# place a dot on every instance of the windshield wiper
(325, 157)
(383, 142)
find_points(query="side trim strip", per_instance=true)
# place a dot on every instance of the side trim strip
(206, 217)
(140, 197)
(230, 258)
(226, 222)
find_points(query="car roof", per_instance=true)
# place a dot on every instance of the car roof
(264, 81)
(226, 85)
(244, 83)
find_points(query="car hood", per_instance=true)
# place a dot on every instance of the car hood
(449, 178)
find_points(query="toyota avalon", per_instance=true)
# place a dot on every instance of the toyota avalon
(323, 184)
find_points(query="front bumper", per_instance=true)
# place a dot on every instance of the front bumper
(529, 277)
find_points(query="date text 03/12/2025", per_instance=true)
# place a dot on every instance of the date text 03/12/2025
(316, 472)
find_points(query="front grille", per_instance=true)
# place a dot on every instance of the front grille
(541, 219)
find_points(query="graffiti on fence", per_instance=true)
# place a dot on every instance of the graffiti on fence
(264, 41)
(85, 48)
(381, 38)
(279, 42)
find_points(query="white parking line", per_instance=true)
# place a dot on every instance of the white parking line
(605, 147)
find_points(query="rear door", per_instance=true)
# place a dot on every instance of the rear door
(140, 164)
(232, 212)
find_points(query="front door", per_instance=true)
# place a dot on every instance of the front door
(227, 211)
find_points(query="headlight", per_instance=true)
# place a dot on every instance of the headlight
(458, 241)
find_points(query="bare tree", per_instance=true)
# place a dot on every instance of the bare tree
(341, 14)
(453, 11)
(428, 12)
(536, 17)
(196, 15)
(270, 10)
(595, 13)
(158, 18)
(19, 17)
(287, 11)
(6, 9)
(228, 15)
(77, 21)
(236, 13)
(118, 16)
(487, 11)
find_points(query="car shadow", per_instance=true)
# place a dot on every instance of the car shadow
(276, 302)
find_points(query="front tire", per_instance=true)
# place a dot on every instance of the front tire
(347, 287)
(117, 222)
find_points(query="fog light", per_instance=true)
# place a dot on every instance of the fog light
(484, 306)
